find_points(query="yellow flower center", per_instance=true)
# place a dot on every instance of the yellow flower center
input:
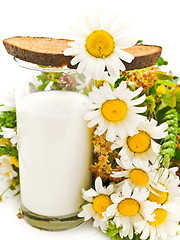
(101, 203)
(140, 142)
(139, 177)
(128, 207)
(159, 196)
(160, 217)
(100, 44)
(114, 110)
(14, 161)
(161, 90)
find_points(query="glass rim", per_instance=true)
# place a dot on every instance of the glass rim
(33, 66)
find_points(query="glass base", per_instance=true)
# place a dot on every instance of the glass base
(51, 223)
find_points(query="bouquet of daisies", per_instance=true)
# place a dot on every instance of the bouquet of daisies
(135, 193)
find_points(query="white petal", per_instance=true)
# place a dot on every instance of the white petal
(153, 233)
(110, 211)
(117, 221)
(110, 189)
(136, 92)
(113, 71)
(98, 184)
(82, 66)
(155, 147)
(71, 51)
(89, 194)
(111, 133)
(119, 174)
(145, 233)
(127, 57)
(138, 100)
(126, 41)
(126, 190)
(78, 58)
(90, 115)
(93, 122)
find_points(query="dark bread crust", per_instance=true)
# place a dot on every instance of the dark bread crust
(145, 56)
(30, 53)
(49, 52)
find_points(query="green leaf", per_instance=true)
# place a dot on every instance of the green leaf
(43, 77)
(178, 108)
(169, 117)
(161, 62)
(116, 237)
(172, 129)
(111, 233)
(9, 150)
(163, 76)
(166, 83)
(170, 144)
(169, 137)
(177, 94)
(140, 42)
(8, 119)
(177, 155)
(112, 230)
(31, 85)
(119, 80)
(168, 100)
(18, 192)
(151, 104)
(12, 188)
(153, 91)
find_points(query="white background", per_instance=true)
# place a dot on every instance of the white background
(157, 22)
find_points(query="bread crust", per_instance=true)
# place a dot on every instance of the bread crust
(50, 52)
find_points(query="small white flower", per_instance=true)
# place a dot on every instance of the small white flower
(165, 187)
(6, 169)
(130, 206)
(141, 147)
(9, 133)
(165, 224)
(98, 43)
(115, 111)
(136, 175)
(99, 200)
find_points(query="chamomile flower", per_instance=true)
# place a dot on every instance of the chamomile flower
(98, 43)
(136, 175)
(141, 147)
(99, 200)
(130, 207)
(166, 179)
(9, 133)
(165, 224)
(115, 111)
(6, 169)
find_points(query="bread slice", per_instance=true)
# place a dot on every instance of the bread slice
(49, 52)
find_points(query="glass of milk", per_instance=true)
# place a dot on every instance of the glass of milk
(54, 145)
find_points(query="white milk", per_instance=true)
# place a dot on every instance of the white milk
(54, 152)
